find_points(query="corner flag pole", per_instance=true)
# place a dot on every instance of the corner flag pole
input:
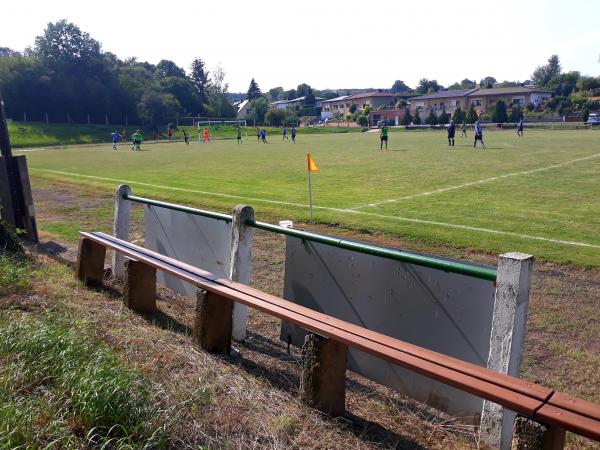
(312, 167)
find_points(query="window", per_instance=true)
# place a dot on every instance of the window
(442, 105)
(476, 102)
(347, 105)
(518, 100)
(335, 106)
(456, 102)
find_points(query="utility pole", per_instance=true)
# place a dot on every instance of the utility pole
(16, 201)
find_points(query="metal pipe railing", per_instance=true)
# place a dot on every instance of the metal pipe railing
(483, 273)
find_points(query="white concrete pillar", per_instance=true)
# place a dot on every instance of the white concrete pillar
(241, 263)
(121, 228)
(506, 340)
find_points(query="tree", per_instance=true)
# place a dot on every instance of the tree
(487, 83)
(515, 114)
(499, 115)
(543, 74)
(407, 118)
(275, 117)
(458, 115)
(366, 110)
(362, 120)
(337, 116)
(184, 91)
(467, 84)
(401, 104)
(352, 108)
(275, 93)
(564, 83)
(425, 85)
(309, 98)
(64, 44)
(302, 90)
(7, 52)
(399, 87)
(260, 107)
(588, 83)
(218, 105)
(199, 77)
(431, 119)
(471, 115)
(156, 107)
(417, 119)
(348, 118)
(253, 90)
(166, 68)
(290, 95)
(444, 118)
(506, 83)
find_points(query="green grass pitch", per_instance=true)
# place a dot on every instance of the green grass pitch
(539, 194)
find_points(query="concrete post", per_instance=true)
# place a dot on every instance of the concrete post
(506, 340)
(139, 290)
(530, 435)
(323, 383)
(90, 262)
(241, 263)
(213, 322)
(121, 228)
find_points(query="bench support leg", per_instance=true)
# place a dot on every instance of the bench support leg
(139, 291)
(213, 324)
(90, 262)
(530, 435)
(323, 384)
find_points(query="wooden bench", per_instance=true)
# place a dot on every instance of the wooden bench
(212, 330)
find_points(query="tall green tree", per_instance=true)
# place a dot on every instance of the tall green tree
(260, 107)
(458, 115)
(218, 104)
(426, 85)
(417, 119)
(253, 90)
(487, 83)
(303, 89)
(309, 98)
(471, 115)
(564, 84)
(399, 87)
(200, 79)
(432, 119)
(407, 118)
(156, 107)
(275, 93)
(166, 68)
(543, 74)
(444, 118)
(516, 114)
(500, 115)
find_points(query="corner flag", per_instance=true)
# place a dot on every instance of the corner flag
(312, 165)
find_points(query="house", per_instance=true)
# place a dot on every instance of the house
(392, 115)
(342, 104)
(295, 103)
(244, 110)
(482, 99)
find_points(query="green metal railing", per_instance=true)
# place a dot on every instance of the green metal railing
(397, 255)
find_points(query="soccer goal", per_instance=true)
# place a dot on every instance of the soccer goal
(221, 128)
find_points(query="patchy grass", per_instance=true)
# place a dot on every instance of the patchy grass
(14, 273)
(62, 388)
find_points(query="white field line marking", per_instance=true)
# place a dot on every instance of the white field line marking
(473, 183)
(326, 208)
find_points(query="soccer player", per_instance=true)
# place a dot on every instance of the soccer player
(239, 135)
(186, 138)
(284, 133)
(170, 133)
(383, 137)
(478, 134)
(294, 135)
(520, 127)
(463, 130)
(258, 135)
(137, 141)
(206, 135)
(451, 131)
(116, 137)
(263, 135)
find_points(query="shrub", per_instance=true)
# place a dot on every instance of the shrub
(500, 115)
(444, 118)
(431, 119)
(362, 120)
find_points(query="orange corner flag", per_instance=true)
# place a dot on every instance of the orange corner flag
(312, 165)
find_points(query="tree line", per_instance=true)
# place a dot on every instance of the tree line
(66, 76)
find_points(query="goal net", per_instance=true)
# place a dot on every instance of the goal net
(221, 128)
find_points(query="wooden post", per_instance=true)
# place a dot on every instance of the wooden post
(90, 262)
(323, 383)
(139, 290)
(27, 198)
(241, 263)
(506, 340)
(121, 228)
(213, 322)
(530, 435)
(7, 213)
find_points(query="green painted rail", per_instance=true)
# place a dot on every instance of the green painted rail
(483, 273)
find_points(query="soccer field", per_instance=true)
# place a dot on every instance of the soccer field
(539, 194)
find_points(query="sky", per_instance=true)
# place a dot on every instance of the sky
(332, 43)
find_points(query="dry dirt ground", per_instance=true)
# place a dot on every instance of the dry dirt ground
(252, 397)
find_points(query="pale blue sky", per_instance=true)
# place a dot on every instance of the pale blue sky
(332, 43)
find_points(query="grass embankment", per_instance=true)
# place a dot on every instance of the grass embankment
(38, 134)
(59, 385)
